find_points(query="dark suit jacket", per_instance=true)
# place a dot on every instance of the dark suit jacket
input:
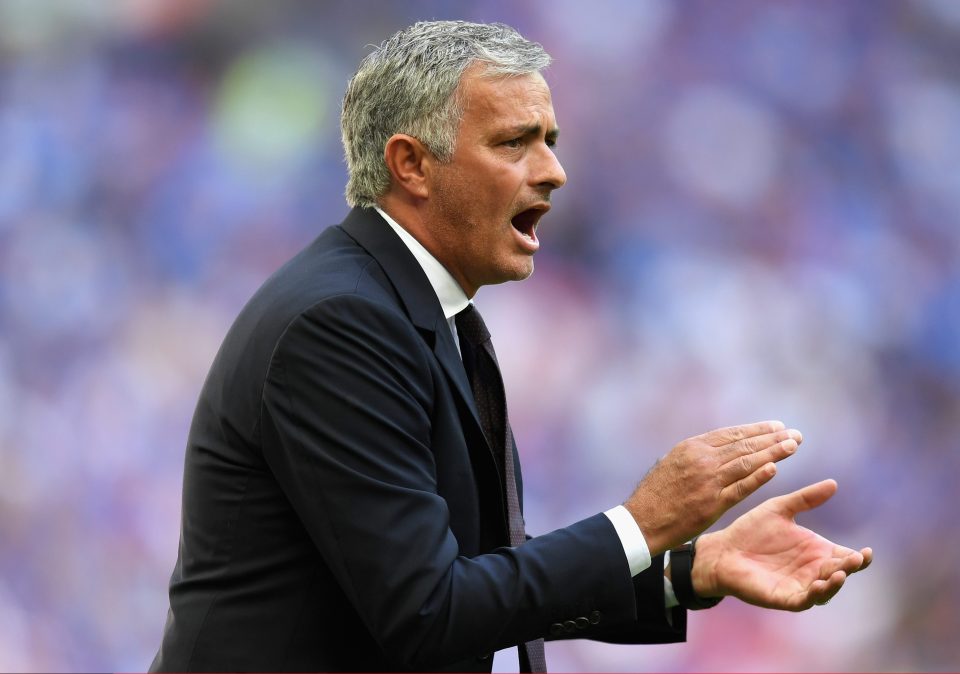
(341, 507)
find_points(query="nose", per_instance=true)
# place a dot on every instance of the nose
(549, 173)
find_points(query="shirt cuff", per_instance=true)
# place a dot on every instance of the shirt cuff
(669, 596)
(631, 538)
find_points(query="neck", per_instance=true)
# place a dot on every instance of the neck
(413, 217)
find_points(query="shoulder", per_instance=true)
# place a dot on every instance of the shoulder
(330, 274)
(332, 266)
(333, 291)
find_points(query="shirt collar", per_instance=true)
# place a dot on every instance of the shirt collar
(452, 298)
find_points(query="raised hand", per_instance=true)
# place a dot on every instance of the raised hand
(765, 558)
(702, 477)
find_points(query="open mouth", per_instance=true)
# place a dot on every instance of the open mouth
(525, 222)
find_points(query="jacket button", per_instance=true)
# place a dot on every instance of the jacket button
(595, 617)
(556, 629)
(582, 623)
(569, 625)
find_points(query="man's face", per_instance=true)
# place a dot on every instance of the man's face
(486, 202)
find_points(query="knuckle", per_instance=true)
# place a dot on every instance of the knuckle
(746, 463)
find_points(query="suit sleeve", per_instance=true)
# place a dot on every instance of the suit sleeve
(345, 418)
(654, 623)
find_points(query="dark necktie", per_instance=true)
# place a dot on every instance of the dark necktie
(487, 385)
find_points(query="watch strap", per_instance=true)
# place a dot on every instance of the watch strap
(681, 577)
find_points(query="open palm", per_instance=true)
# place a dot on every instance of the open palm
(765, 558)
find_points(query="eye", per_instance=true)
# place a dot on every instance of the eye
(513, 142)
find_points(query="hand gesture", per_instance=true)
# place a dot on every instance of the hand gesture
(765, 558)
(703, 477)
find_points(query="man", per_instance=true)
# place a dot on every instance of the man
(351, 488)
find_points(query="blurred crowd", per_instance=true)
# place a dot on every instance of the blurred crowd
(762, 220)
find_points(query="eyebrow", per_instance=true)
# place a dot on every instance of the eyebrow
(532, 130)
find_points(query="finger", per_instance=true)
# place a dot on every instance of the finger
(848, 563)
(822, 591)
(864, 556)
(809, 497)
(741, 489)
(744, 464)
(758, 443)
(841, 551)
(724, 436)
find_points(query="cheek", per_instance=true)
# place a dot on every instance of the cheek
(496, 197)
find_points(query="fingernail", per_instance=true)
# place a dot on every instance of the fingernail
(790, 446)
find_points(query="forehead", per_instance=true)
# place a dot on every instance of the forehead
(506, 100)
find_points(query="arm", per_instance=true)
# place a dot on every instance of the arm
(348, 406)
(656, 623)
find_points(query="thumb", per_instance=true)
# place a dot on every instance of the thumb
(807, 498)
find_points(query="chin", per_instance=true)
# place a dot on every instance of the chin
(523, 271)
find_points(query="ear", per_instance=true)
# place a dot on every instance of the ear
(409, 162)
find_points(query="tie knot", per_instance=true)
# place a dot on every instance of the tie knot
(471, 326)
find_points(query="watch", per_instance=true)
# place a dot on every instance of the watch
(681, 576)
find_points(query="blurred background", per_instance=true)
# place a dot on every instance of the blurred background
(762, 220)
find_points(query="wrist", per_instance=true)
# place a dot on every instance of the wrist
(653, 533)
(683, 563)
(703, 575)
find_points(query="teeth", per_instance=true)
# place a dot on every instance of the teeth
(526, 236)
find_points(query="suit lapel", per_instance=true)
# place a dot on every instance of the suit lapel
(417, 295)
(420, 301)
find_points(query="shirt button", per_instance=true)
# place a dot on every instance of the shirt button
(582, 623)
(595, 617)
(556, 629)
(569, 625)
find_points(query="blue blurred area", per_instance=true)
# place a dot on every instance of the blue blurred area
(762, 220)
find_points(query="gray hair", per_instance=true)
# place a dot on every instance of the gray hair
(409, 84)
